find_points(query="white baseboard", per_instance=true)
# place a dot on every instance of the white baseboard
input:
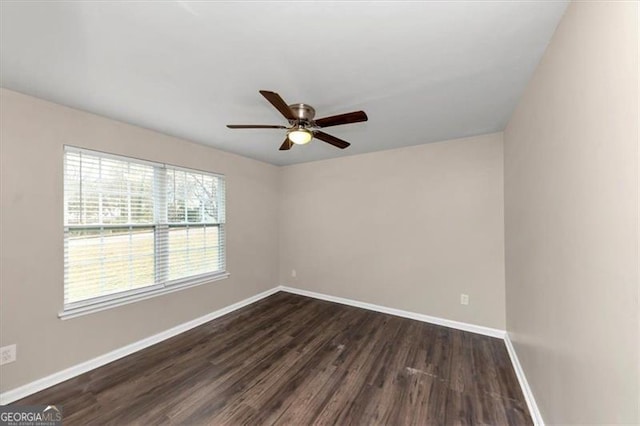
(59, 377)
(536, 416)
(493, 332)
(69, 373)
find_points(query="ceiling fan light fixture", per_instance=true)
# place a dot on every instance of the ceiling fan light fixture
(300, 136)
(304, 127)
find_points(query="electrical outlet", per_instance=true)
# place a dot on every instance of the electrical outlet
(7, 354)
(294, 273)
(464, 299)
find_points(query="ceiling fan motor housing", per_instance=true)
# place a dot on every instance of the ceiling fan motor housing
(304, 113)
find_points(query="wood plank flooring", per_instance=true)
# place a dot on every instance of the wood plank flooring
(292, 360)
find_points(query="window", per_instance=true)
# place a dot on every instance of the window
(134, 228)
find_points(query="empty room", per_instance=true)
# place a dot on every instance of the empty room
(319, 213)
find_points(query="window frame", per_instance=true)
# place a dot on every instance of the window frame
(160, 226)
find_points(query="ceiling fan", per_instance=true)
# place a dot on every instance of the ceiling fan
(302, 126)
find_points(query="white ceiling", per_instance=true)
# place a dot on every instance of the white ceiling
(423, 72)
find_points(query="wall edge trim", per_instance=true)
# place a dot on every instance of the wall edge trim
(73, 371)
(78, 369)
(536, 416)
(473, 328)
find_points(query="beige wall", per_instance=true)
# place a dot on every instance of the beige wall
(32, 136)
(571, 200)
(409, 228)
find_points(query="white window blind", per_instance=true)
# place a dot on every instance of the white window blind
(133, 226)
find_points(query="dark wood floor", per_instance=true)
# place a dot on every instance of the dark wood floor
(293, 360)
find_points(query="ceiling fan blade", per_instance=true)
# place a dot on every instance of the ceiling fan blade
(336, 120)
(279, 103)
(331, 140)
(254, 126)
(286, 145)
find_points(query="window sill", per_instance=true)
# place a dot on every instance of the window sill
(120, 300)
